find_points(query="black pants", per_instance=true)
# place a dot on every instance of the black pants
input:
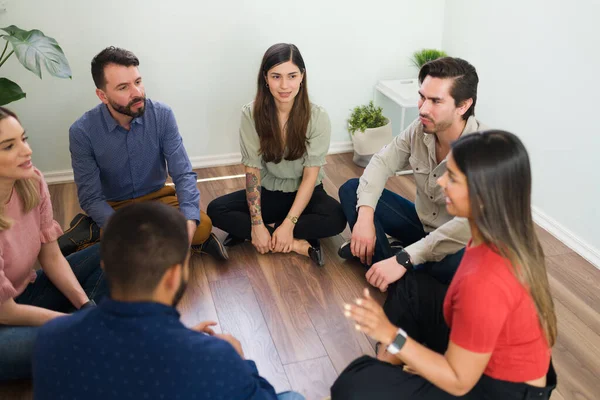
(415, 303)
(323, 216)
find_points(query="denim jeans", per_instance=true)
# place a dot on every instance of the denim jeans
(397, 217)
(16, 342)
(290, 396)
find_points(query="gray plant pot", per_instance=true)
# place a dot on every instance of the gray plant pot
(361, 160)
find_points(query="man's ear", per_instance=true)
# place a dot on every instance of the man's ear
(102, 96)
(172, 277)
(464, 106)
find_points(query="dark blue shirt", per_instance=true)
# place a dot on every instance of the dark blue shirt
(112, 164)
(138, 351)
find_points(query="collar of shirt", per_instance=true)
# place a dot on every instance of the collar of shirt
(136, 309)
(471, 126)
(112, 123)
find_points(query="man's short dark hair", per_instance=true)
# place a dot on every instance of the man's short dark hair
(463, 74)
(111, 55)
(141, 241)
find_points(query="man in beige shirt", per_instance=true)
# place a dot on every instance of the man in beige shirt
(432, 239)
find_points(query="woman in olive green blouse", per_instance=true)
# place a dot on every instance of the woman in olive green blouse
(284, 140)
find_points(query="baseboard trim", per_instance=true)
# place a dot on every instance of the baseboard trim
(216, 160)
(340, 147)
(61, 176)
(66, 175)
(567, 237)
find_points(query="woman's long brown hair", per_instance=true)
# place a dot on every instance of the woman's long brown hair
(498, 173)
(272, 146)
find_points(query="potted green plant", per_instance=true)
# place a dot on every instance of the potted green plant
(425, 55)
(32, 49)
(370, 131)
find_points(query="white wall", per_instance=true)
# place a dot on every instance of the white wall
(202, 58)
(538, 64)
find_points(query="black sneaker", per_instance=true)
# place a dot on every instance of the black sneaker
(83, 232)
(345, 251)
(231, 240)
(213, 247)
(316, 253)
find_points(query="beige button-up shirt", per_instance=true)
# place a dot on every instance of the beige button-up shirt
(447, 234)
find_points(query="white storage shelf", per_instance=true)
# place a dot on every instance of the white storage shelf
(405, 93)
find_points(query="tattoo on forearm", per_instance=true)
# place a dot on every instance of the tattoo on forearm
(253, 190)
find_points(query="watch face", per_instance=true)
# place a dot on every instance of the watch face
(403, 258)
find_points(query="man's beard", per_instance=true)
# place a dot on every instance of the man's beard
(126, 110)
(435, 127)
(180, 291)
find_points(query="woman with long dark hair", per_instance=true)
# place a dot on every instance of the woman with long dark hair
(284, 139)
(489, 334)
(28, 232)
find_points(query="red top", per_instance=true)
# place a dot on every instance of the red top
(489, 311)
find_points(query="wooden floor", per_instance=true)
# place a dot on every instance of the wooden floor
(287, 313)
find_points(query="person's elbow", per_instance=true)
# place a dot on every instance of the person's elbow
(460, 388)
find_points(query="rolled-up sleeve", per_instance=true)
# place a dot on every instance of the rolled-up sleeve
(447, 239)
(393, 157)
(180, 168)
(87, 177)
(249, 141)
(319, 138)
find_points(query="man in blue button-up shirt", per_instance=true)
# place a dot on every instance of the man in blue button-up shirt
(133, 345)
(121, 148)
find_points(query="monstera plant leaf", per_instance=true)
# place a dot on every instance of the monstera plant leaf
(9, 91)
(33, 49)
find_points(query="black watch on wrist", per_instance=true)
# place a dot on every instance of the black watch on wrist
(403, 258)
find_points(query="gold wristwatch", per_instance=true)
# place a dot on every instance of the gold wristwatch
(293, 219)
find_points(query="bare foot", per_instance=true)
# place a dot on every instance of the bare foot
(301, 247)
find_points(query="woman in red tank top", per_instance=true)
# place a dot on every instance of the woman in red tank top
(488, 335)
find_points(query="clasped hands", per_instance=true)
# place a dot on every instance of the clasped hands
(281, 241)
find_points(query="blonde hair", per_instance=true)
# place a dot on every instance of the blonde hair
(28, 192)
(26, 189)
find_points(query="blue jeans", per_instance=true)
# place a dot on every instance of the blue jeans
(17, 342)
(290, 396)
(397, 217)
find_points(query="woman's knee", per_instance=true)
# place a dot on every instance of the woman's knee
(215, 208)
(16, 347)
(357, 380)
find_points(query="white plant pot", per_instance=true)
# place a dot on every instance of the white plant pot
(368, 142)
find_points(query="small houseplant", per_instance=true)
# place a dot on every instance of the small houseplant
(370, 131)
(32, 49)
(425, 55)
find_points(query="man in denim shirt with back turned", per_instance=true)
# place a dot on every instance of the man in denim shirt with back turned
(133, 345)
(434, 240)
(120, 151)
